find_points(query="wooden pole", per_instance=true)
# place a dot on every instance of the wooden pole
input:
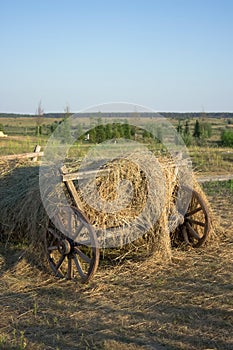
(36, 150)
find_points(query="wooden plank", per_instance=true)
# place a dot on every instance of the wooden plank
(211, 178)
(22, 156)
(83, 174)
(73, 192)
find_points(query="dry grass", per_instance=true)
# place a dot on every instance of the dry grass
(184, 304)
(210, 160)
(22, 215)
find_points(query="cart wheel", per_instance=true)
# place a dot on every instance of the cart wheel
(75, 255)
(196, 226)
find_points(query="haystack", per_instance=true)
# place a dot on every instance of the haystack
(23, 217)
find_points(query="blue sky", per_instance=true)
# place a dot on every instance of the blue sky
(169, 55)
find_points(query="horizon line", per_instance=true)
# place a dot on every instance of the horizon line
(148, 112)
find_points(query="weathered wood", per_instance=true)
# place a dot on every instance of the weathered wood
(211, 178)
(71, 188)
(192, 231)
(36, 150)
(83, 174)
(22, 156)
(185, 235)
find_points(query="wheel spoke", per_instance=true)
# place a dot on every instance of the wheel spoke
(60, 261)
(79, 229)
(86, 243)
(185, 235)
(53, 247)
(71, 223)
(53, 267)
(192, 231)
(69, 270)
(194, 211)
(199, 223)
(77, 264)
(82, 255)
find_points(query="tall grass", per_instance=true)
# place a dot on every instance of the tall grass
(17, 145)
(211, 159)
(218, 187)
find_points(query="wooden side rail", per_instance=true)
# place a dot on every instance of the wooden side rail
(212, 178)
(23, 156)
(34, 155)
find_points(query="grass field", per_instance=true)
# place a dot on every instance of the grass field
(218, 160)
(184, 304)
(209, 157)
(20, 144)
(23, 126)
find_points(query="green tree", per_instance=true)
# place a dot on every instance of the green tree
(197, 130)
(100, 133)
(126, 129)
(186, 128)
(121, 129)
(187, 137)
(179, 128)
(132, 132)
(92, 135)
(1, 127)
(108, 131)
(116, 134)
(53, 126)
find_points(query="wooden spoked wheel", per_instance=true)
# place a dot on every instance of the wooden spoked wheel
(72, 246)
(196, 226)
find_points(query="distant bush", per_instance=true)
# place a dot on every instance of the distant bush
(227, 138)
(1, 127)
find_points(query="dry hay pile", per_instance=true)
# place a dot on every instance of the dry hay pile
(23, 217)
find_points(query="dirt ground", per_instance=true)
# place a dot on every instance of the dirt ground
(184, 304)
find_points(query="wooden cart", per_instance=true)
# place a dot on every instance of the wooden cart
(78, 257)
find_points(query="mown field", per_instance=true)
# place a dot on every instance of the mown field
(184, 304)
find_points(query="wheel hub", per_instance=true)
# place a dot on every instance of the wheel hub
(64, 247)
